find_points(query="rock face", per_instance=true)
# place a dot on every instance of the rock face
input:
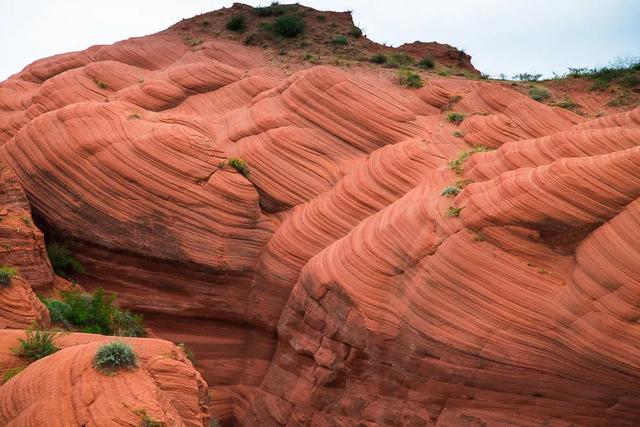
(21, 242)
(336, 284)
(64, 389)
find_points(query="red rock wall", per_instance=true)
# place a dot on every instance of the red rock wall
(330, 287)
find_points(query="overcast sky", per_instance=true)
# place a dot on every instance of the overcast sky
(502, 36)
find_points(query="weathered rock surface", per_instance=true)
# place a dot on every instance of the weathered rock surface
(63, 389)
(21, 242)
(334, 285)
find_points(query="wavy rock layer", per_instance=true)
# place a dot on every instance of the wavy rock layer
(21, 242)
(65, 390)
(335, 284)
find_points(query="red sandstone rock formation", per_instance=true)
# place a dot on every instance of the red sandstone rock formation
(64, 389)
(336, 284)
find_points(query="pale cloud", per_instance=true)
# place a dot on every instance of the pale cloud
(506, 36)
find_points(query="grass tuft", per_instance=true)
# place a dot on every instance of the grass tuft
(427, 63)
(539, 93)
(239, 165)
(408, 78)
(455, 117)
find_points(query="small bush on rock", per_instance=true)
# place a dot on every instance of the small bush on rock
(113, 356)
(39, 343)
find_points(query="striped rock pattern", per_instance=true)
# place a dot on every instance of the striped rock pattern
(64, 389)
(336, 284)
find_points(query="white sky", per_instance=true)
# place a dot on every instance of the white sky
(502, 36)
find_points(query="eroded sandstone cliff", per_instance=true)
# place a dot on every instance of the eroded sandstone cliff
(338, 283)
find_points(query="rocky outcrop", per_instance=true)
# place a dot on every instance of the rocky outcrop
(335, 283)
(21, 242)
(64, 389)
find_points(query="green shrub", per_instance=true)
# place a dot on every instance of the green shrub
(237, 23)
(113, 356)
(61, 260)
(239, 165)
(272, 10)
(409, 79)
(539, 93)
(214, 423)
(288, 26)
(127, 324)
(58, 311)
(630, 81)
(567, 103)
(455, 117)
(427, 62)
(39, 343)
(378, 58)
(94, 313)
(458, 134)
(355, 32)
(400, 60)
(339, 40)
(6, 274)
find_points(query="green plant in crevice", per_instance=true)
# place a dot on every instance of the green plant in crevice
(453, 211)
(6, 274)
(240, 165)
(455, 117)
(62, 261)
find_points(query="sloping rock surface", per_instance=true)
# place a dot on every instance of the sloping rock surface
(336, 284)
